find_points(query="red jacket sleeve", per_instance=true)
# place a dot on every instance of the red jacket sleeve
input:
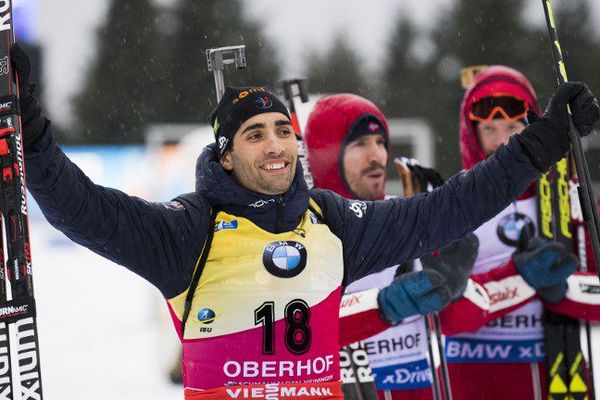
(488, 296)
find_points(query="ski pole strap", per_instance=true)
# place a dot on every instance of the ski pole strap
(198, 272)
(9, 105)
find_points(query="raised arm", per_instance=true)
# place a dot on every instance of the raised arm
(388, 232)
(382, 233)
(151, 239)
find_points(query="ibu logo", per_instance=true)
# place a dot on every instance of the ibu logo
(206, 316)
(285, 259)
(510, 227)
(226, 225)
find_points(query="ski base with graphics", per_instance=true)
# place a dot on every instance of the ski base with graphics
(19, 348)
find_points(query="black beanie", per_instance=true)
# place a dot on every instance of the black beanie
(366, 125)
(238, 105)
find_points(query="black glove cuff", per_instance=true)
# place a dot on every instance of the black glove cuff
(544, 144)
(32, 120)
(34, 132)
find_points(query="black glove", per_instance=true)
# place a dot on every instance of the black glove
(455, 263)
(32, 120)
(428, 178)
(546, 139)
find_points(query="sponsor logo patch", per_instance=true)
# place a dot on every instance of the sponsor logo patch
(359, 208)
(264, 103)
(285, 259)
(206, 316)
(226, 225)
(510, 227)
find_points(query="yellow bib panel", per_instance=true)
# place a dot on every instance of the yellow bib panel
(266, 307)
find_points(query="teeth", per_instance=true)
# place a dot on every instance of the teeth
(274, 166)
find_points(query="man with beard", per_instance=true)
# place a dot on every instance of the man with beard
(347, 139)
(252, 263)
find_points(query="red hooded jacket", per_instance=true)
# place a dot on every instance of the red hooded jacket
(326, 129)
(493, 80)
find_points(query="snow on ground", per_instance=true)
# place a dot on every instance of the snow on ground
(104, 333)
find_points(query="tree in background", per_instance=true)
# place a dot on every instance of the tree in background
(145, 73)
(337, 71)
(202, 25)
(406, 79)
(118, 95)
(474, 32)
(578, 34)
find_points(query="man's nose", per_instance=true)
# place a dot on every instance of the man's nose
(274, 144)
(375, 153)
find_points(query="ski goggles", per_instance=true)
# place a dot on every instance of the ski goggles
(502, 106)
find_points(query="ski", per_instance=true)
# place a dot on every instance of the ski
(564, 357)
(18, 327)
(358, 382)
(582, 201)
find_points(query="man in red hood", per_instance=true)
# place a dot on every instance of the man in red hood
(347, 138)
(350, 158)
(494, 107)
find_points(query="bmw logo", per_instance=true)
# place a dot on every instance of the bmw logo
(285, 259)
(206, 316)
(510, 227)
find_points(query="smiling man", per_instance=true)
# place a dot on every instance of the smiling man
(251, 263)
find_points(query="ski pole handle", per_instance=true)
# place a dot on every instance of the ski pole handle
(288, 92)
(218, 57)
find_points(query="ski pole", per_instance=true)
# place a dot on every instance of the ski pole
(217, 58)
(586, 195)
(585, 190)
(289, 93)
(405, 167)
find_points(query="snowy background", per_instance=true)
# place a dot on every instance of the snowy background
(104, 333)
(70, 45)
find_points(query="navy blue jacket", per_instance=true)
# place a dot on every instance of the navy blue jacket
(161, 242)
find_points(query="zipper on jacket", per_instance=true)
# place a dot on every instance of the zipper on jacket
(279, 214)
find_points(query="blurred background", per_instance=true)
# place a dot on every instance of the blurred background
(126, 85)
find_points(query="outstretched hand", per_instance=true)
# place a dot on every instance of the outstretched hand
(32, 120)
(546, 139)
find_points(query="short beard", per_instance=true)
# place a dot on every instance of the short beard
(370, 194)
(253, 182)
